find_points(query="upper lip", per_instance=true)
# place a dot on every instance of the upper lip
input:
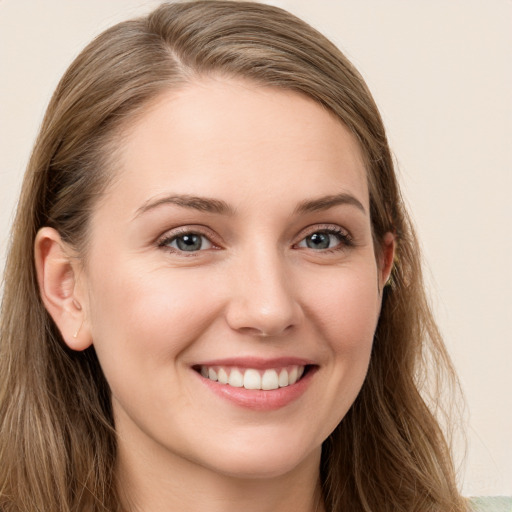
(257, 363)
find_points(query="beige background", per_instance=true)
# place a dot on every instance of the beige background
(441, 73)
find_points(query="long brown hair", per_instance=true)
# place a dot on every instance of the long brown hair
(57, 438)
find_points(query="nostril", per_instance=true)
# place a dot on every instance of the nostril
(265, 332)
(264, 310)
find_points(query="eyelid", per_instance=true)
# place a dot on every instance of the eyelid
(214, 239)
(195, 229)
(345, 238)
(330, 228)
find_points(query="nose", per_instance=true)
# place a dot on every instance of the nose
(262, 301)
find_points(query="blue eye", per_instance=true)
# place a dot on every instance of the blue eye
(187, 242)
(325, 239)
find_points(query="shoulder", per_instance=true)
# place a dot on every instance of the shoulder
(491, 504)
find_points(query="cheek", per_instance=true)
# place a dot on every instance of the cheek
(144, 319)
(347, 307)
(344, 308)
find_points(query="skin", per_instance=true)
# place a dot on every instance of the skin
(255, 289)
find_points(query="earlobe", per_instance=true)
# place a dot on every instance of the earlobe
(57, 279)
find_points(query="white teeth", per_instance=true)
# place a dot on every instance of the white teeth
(222, 376)
(236, 379)
(269, 380)
(283, 379)
(254, 379)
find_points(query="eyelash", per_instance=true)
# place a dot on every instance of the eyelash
(167, 239)
(344, 238)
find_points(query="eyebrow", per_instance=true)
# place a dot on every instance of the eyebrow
(203, 204)
(210, 205)
(326, 202)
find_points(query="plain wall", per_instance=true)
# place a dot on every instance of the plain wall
(441, 74)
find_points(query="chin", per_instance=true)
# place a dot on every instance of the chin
(256, 462)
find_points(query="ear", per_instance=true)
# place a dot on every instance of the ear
(57, 272)
(386, 259)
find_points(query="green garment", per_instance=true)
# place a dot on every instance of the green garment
(491, 504)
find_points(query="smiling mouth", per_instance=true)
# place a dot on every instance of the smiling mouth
(251, 378)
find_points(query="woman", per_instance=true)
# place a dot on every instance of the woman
(213, 298)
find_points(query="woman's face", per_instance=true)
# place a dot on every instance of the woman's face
(233, 250)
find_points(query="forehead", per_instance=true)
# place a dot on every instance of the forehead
(217, 136)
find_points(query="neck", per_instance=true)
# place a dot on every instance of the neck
(170, 483)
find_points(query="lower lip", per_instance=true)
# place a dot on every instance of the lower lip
(261, 400)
